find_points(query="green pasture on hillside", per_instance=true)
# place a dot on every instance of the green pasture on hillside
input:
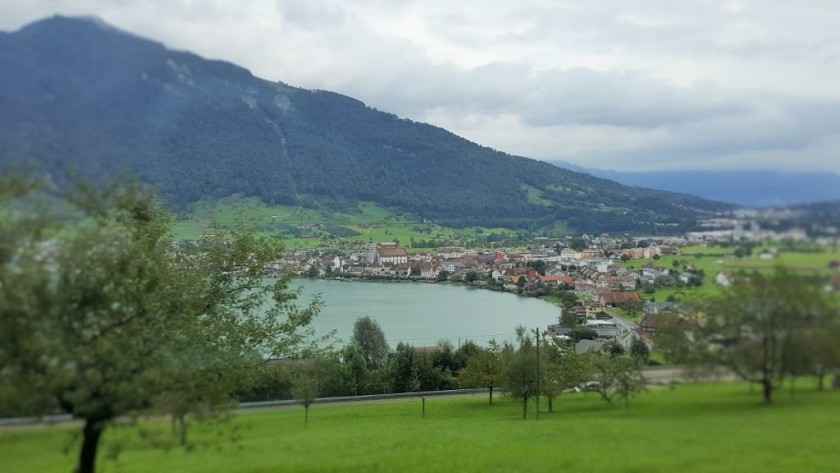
(693, 428)
(714, 257)
(316, 227)
(713, 260)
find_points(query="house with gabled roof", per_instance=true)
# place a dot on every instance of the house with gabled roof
(390, 254)
(618, 299)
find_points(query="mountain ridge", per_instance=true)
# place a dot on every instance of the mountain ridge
(747, 187)
(104, 100)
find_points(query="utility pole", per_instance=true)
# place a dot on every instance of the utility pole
(537, 333)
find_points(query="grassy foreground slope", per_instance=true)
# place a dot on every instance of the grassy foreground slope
(697, 428)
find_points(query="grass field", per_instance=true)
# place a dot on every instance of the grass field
(694, 428)
(299, 227)
(713, 260)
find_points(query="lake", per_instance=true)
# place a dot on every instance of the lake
(423, 313)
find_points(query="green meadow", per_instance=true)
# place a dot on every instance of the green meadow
(692, 428)
(300, 227)
(713, 260)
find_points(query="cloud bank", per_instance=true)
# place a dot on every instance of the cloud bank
(626, 85)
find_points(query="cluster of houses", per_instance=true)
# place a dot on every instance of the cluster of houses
(600, 281)
(595, 274)
(585, 271)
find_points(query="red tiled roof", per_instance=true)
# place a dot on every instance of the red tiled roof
(620, 297)
(391, 251)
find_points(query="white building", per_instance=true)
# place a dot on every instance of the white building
(604, 328)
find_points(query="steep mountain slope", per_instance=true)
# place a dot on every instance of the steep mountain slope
(77, 94)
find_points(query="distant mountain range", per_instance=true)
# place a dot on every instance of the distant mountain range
(751, 188)
(79, 95)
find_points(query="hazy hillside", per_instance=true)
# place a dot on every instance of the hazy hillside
(756, 188)
(80, 95)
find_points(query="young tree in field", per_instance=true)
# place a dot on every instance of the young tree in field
(306, 385)
(575, 369)
(521, 369)
(484, 369)
(616, 376)
(824, 346)
(110, 319)
(561, 370)
(629, 380)
(754, 323)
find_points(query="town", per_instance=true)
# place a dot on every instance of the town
(609, 290)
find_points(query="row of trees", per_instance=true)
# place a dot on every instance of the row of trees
(534, 365)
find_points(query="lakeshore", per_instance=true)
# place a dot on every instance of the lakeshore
(423, 314)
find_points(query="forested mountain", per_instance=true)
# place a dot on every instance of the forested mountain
(79, 95)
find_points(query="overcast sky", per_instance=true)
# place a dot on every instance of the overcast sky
(627, 85)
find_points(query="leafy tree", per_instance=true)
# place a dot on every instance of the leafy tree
(432, 377)
(406, 371)
(462, 355)
(578, 244)
(521, 369)
(616, 376)
(583, 333)
(369, 341)
(825, 351)
(568, 298)
(538, 265)
(111, 319)
(613, 348)
(357, 368)
(562, 370)
(639, 350)
(484, 369)
(568, 319)
(444, 358)
(751, 325)
(633, 308)
(671, 339)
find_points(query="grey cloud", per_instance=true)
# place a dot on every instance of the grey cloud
(538, 78)
(621, 99)
(311, 13)
(778, 138)
(556, 97)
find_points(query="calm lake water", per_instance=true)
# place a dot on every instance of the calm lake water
(423, 313)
